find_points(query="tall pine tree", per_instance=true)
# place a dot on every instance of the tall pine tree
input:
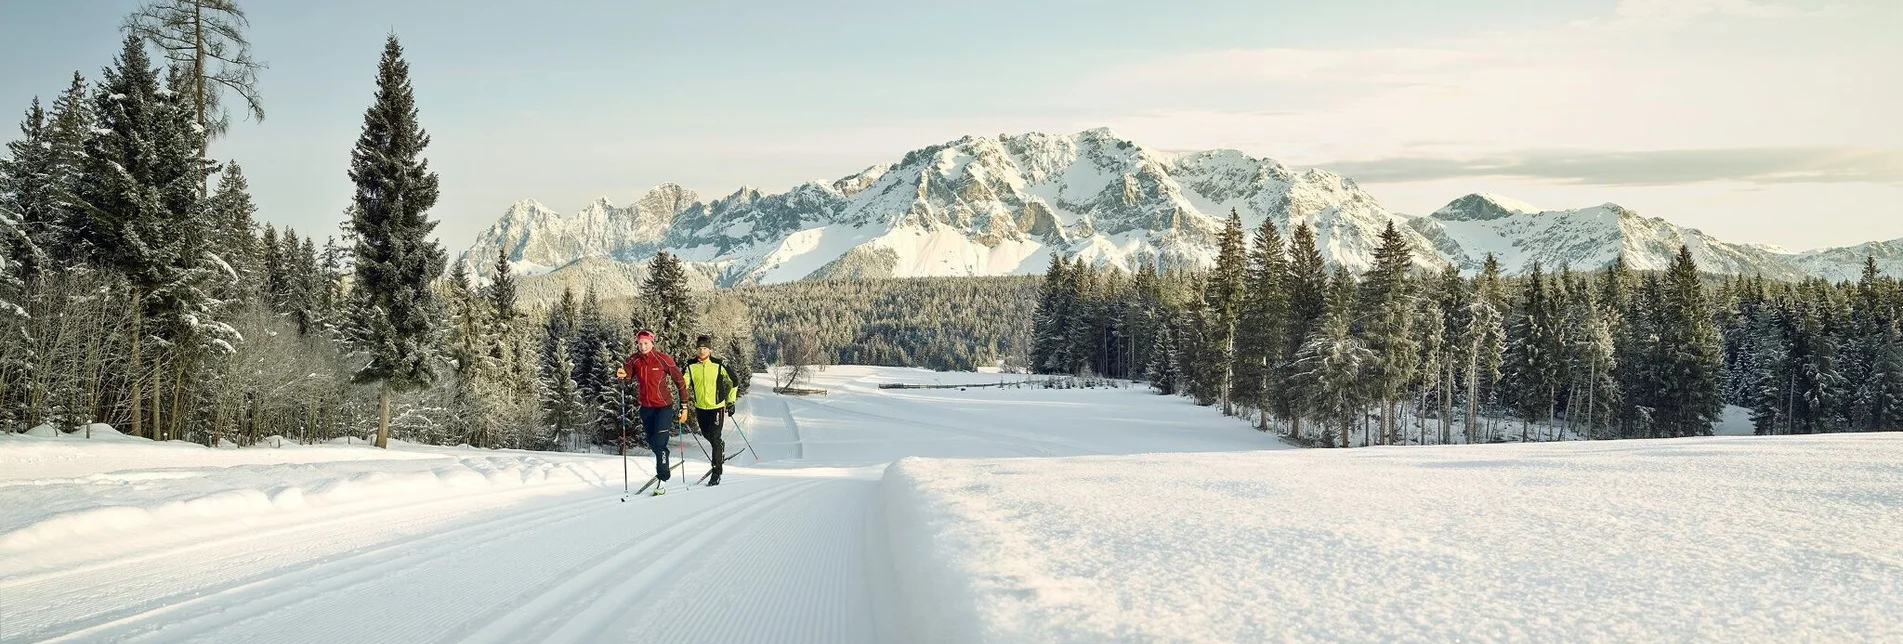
(392, 309)
(1688, 355)
(665, 296)
(1259, 326)
(1223, 296)
(1307, 286)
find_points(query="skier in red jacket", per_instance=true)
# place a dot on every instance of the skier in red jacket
(651, 370)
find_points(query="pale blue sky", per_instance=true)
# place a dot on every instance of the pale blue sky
(1762, 121)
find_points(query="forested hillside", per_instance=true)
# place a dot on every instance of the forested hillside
(1397, 355)
(945, 323)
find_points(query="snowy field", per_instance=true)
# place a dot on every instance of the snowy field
(1034, 515)
(1781, 539)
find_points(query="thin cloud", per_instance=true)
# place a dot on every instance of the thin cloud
(1648, 167)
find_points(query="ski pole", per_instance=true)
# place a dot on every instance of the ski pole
(743, 438)
(703, 450)
(622, 421)
(680, 430)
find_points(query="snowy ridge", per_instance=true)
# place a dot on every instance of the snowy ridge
(1590, 238)
(1002, 205)
(974, 206)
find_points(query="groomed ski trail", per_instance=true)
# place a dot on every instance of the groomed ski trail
(756, 559)
(790, 549)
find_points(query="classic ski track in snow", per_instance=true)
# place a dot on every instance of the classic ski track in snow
(789, 550)
(282, 570)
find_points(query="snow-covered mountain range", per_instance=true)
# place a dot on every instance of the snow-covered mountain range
(1001, 205)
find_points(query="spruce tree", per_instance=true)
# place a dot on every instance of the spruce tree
(1453, 300)
(1307, 285)
(1768, 344)
(68, 127)
(310, 282)
(30, 200)
(561, 398)
(1163, 373)
(232, 214)
(612, 399)
(392, 308)
(1532, 354)
(1384, 323)
(1223, 296)
(1598, 393)
(1082, 331)
(1688, 355)
(1882, 390)
(143, 219)
(667, 300)
(1047, 321)
(1484, 343)
(1867, 328)
(502, 291)
(1259, 326)
(1332, 369)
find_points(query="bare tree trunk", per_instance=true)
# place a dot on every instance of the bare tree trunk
(158, 397)
(178, 398)
(1473, 401)
(1447, 405)
(198, 74)
(383, 417)
(138, 365)
(1592, 383)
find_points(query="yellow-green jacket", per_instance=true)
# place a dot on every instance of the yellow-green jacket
(712, 384)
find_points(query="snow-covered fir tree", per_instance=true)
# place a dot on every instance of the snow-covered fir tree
(1383, 320)
(1223, 295)
(1259, 326)
(392, 308)
(668, 304)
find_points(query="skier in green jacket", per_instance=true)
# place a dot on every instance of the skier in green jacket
(714, 391)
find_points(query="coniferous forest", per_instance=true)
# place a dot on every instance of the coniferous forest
(943, 323)
(138, 290)
(1398, 355)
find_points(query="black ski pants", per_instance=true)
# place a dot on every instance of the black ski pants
(712, 421)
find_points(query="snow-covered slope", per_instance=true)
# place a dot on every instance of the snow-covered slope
(1734, 539)
(1001, 205)
(1586, 238)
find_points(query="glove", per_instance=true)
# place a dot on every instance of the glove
(683, 417)
(729, 410)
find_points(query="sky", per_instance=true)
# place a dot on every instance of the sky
(1772, 121)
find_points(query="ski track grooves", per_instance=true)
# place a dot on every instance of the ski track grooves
(576, 570)
(327, 572)
(404, 514)
(554, 604)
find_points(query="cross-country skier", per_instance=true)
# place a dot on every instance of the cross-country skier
(651, 370)
(714, 391)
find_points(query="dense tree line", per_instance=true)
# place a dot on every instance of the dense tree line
(1398, 355)
(131, 295)
(944, 323)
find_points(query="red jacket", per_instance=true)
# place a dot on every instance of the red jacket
(650, 372)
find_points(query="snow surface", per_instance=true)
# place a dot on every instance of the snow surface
(839, 532)
(1715, 539)
(130, 540)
